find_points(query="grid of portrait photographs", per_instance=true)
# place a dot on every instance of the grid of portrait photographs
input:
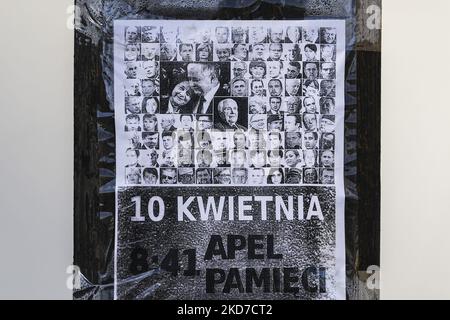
(215, 104)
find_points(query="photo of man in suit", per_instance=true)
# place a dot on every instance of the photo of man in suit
(204, 81)
(228, 112)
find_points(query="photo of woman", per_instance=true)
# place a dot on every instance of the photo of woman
(204, 52)
(180, 99)
(276, 176)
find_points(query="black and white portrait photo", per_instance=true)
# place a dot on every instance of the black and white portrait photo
(231, 113)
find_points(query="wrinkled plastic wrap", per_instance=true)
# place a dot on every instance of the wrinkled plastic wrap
(95, 133)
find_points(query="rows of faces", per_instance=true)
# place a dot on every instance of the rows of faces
(278, 101)
(237, 149)
(285, 124)
(240, 87)
(228, 176)
(188, 52)
(258, 158)
(222, 43)
(254, 79)
(260, 70)
(221, 34)
(280, 106)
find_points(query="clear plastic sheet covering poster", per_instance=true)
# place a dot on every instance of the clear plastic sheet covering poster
(227, 149)
(229, 159)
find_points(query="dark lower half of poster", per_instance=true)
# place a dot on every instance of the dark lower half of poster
(226, 243)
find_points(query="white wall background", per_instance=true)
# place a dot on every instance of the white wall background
(36, 155)
(36, 143)
(415, 150)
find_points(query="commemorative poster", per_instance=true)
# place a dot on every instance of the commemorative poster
(229, 153)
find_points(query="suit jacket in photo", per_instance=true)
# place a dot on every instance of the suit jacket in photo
(197, 103)
(225, 126)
